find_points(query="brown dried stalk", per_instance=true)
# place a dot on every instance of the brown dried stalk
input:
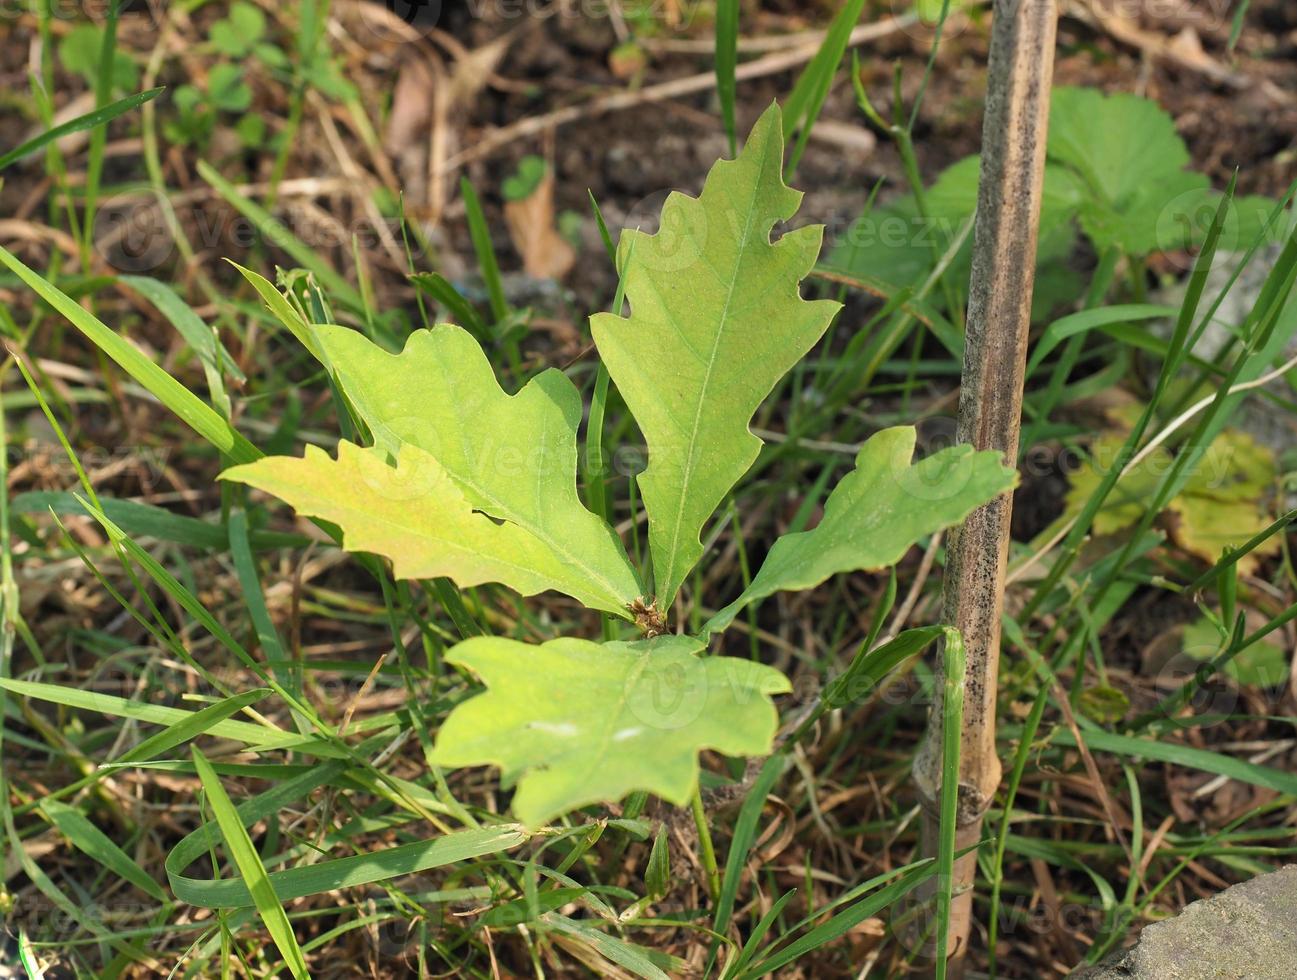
(990, 412)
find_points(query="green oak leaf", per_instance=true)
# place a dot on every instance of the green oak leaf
(509, 461)
(877, 512)
(716, 320)
(573, 722)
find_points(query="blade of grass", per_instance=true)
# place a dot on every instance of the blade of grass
(197, 723)
(255, 602)
(285, 312)
(99, 135)
(91, 119)
(802, 107)
(330, 875)
(95, 844)
(212, 355)
(192, 410)
(488, 265)
(910, 877)
(1236, 27)
(952, 724)
(244, 855)
(759, 932)
(257, 736)
(278, 235)
(1187, 756)
(727, 60)
(460, 309)
(150, 521)
(1029, 729)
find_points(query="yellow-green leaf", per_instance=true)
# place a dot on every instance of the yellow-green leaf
(574, 722)
(877, 512)
(416, 515)
(514, 457)
(1221, 506)
(716, 320)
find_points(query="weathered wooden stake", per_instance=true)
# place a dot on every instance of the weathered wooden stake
(990, 412)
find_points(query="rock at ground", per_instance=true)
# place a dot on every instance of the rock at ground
(1247, 932)
(1256, 416)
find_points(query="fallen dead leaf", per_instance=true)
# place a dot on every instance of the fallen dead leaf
(545, 253)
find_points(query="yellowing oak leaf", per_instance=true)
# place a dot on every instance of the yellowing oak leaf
(573, 722)
(1129, 496)
(716, 320)
(416, 515)
(1220, 506)
(469, 458)
(1222, 503)
(877, 512)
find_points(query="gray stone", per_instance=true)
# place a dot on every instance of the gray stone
(1247, 932)
(1256, 416)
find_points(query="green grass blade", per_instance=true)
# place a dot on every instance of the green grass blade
(487, 263)
(1236, 27)
(624, 954)
(94, 843)
(240, 849)
(191, 409)
(99, 135)
(198, 723)
(91, 119)
(745, 833)
(871, 666)
(1023, 753)
(284, 312)
(149, 521)
(758, 935)
(952, 725)
(461, 311)
(201, 338)
(727, 60)
(838, 925)
(1086, 320)
(257, 736)
(803, 105)
(278, 235)
(324, 876)
(1183, 755)
(255, 601)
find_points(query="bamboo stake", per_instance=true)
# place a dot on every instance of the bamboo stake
(990, 412)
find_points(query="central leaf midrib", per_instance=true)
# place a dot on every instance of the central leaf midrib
(687, 476)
